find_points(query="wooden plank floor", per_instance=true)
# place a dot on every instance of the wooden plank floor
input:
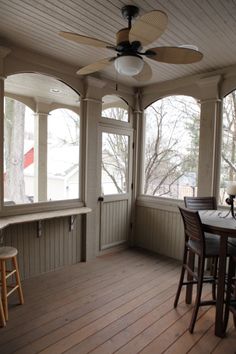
(119, 303)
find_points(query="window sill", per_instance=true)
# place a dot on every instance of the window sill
(159, 203)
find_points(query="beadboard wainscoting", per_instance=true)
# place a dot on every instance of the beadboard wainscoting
(114, 223)
(57, 247)
(159, 227)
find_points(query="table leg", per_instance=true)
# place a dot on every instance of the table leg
(220, 306)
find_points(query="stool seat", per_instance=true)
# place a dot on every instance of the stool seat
(7, 252)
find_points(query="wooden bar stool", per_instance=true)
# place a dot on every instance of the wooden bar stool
(9, 254)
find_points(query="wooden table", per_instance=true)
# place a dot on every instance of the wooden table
(214, 222)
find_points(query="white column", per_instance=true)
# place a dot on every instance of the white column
(40, 157)
(1, 139)
(139, 137)
(92, 107)
(4, 52)
(209, 153)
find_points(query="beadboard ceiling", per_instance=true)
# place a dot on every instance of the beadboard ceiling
(208, 24)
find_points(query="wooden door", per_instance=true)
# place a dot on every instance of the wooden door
(115, 186)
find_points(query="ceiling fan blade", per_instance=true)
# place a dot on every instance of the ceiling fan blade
(145, 74)
(98, 65)
(175, 55)
(149, 27)
(78, 38)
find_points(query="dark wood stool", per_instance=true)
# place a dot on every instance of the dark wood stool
(231, 289)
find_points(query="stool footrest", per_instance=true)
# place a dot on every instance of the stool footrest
(12, 290)
(10, 272)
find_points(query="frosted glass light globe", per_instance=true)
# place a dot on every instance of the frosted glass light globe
(129, 65)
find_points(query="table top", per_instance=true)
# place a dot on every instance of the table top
(216, 221)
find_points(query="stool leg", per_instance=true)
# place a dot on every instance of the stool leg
(18, 282)
(4, 288)
(2, 316)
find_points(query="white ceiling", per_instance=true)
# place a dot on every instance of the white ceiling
(42, 88)
(208, 24)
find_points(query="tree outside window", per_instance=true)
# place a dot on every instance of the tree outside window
(115, 148)
(18, 145)
(171, 147)
(228, 157)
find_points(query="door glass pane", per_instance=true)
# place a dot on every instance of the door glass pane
(115, 152)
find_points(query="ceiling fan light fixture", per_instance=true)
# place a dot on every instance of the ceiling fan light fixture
(128, 65)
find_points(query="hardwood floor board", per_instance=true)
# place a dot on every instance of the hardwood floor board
(122, 324)
(208, 342)
(120, 303)
(54, 302)
(131, 330)
(87, 275)
(35, 305)
(181, 314)
(84, 315)
(101, 316)
(228, 344)
(75, 291)
(185, 341)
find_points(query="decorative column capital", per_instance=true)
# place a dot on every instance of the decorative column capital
(209, 89)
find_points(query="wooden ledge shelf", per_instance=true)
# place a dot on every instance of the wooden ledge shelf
(18, 219)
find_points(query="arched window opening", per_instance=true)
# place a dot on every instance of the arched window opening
(228, 155)
(63, 155)
(171, 147)
(41, 149)
(113, 107)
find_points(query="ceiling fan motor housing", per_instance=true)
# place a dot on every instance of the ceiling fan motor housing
(123, 45)
(122, 36)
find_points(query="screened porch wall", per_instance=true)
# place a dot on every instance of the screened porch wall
(55, 248)
(158, 224)
(159, 228)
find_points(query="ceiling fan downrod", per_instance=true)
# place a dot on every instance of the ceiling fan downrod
(129, 12)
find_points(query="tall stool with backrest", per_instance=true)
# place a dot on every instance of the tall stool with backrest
(2, 316)
(200, 203)
(205, 203)
(197, 244)
(231, 288)
(9, 254)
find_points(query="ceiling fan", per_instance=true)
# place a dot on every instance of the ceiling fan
(129, 46)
